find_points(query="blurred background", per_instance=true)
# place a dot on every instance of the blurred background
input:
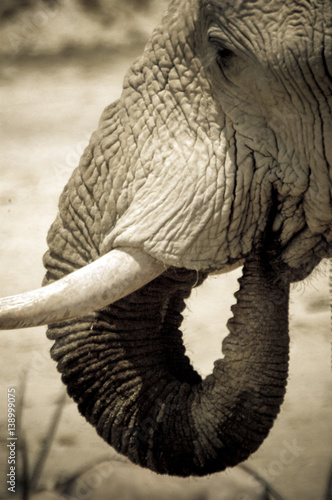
(36, 27)
(61, 63)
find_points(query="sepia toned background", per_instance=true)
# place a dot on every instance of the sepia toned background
(61, 63)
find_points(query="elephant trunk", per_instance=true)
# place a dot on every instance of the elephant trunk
(126, 368)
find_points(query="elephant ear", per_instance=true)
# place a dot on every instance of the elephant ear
(166, 171)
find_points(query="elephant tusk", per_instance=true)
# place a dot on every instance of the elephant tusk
(104, 281)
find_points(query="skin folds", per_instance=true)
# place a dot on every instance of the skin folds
(217, 153)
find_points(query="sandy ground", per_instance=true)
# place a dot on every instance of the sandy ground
(48, 111)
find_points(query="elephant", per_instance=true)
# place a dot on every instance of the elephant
(216, 156)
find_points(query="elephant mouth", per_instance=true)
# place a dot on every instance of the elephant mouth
(126, 367)
(105, 281)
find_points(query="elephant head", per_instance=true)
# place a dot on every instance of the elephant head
(217, 154)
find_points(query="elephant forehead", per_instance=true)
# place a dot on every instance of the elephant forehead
(273, 26)
(276, 11)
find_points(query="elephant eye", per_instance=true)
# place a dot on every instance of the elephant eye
(223, 55)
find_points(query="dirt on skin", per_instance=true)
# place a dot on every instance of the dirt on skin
(49, 108)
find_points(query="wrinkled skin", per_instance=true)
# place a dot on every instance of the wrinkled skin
(218, 153)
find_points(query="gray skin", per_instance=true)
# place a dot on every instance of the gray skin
(218, 152)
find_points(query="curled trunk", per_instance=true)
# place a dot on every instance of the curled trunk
(126, 368)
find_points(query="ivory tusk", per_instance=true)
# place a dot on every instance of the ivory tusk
(104, 281)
